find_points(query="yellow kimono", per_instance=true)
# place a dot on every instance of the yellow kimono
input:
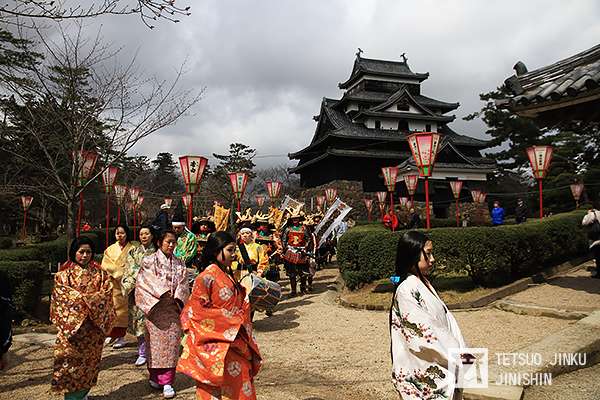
(258, 258)
(113, 262)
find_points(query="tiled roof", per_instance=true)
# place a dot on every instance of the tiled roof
(433, 103)
(364, 153)
(567, 78)
(398, 69)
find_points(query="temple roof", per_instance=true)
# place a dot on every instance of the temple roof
(345, 128)
(564, 80)
(366, 153)
(395, 69)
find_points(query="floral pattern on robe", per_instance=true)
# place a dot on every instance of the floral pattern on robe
(161, 291)
(216, 321)
(113, 262)
(187, 246)
(132, 267)
(422, 331)
(82, 309)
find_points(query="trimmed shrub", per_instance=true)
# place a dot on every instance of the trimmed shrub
(6, 243)
(25, 279)
(48, 252)
(492, 256)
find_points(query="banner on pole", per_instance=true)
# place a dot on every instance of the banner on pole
(333, 218)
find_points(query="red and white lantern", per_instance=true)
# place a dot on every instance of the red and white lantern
(140, 200)
(25, 203)
(330, 195)
(424, 147)
(134, 193)
(192, 168)
(456, 187)
(404, 201)
(576, 191)
(369, 207)
(389, 177)
(260, 200)
(187, 200)
(540, 158)
(476, 194)
(238, 181)
(411, 182)
(274, 189)
(381, 196)
(120, 194)
(168, 201)
(85, 162)
(108, 179)
(320, 202)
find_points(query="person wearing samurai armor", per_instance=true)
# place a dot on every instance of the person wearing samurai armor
(296, 240)
(186, 240)
(202, 228)
(309, 222)
(265, 236)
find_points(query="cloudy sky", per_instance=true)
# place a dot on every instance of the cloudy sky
(266, 64)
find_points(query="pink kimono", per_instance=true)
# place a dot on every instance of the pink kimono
(161, 291)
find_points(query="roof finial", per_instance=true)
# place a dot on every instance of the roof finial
(359, 52)
(404, 58)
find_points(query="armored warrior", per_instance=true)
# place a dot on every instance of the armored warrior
(296, 240)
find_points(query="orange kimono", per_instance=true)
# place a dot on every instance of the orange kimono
(219, 351)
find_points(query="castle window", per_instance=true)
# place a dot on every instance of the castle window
(377, 124)
(403, 126)
(402, 107)
(428, 128)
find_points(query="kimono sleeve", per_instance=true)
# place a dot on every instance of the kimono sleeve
(200, 298)
(101, 306)
(425, 337)
(67, 308)
(263, 260)
(129, 274)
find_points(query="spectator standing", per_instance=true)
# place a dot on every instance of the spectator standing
(497, 214)
(521, 211)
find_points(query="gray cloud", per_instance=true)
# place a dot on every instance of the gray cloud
(267, 64)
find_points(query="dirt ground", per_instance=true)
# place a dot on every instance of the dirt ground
(313, 349)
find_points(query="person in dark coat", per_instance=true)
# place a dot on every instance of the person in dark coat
(414, 221)
(521, 211)
(162, 221)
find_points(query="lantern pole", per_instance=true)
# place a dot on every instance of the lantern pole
(25, 224)
(427, 217)
(457, 214)
(190, 210)
(107, 215)
(541, 198)
(79, 213)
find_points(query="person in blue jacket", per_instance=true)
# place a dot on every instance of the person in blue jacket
(497, 214)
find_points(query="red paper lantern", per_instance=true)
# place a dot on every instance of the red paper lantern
(85, 161)
(140, 200)
(134, 193)
(320, 201)
(576, 191)
(274, 189)
(540, 158)
(411, 182)
(108, 178)
(187, 200)
(456, 187)
(168, 201)
(120, 194)
(26, 202)
(476, 194)
(260, 200)
(404, 201)
(381, 196)
(389, 176)
(368, 204)
(330, 195)
(192, 168)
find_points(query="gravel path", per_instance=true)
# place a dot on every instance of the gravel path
(578, 385)
(575, 291)
(313, 349)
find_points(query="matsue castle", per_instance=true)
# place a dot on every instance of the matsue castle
(366, 129)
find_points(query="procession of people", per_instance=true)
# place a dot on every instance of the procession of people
(187, 294)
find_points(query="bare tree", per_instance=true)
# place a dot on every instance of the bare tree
(149, 11)
(80, 99)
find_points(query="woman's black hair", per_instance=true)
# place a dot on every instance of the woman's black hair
(214, 245)
(150, 228)
(77, 243)
(195, 229)
(127, 232)
(408, 253)
(162, 237)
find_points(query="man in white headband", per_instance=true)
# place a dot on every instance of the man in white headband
(186, 240)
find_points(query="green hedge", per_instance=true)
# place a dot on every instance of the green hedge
(48, 252)
(6, 242)
(25, 279)
(492, 256)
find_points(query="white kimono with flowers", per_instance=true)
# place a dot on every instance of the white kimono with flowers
(422, 331)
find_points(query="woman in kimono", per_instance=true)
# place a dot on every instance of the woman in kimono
(132, 267)
(219, 351)
(113, 262)
(422, 329)
(82, 309)
(161, 291)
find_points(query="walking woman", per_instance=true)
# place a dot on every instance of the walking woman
(132, 267)
(422, 329)
(82, 310)
(113, 262)
(161, 291)
(219, 351)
